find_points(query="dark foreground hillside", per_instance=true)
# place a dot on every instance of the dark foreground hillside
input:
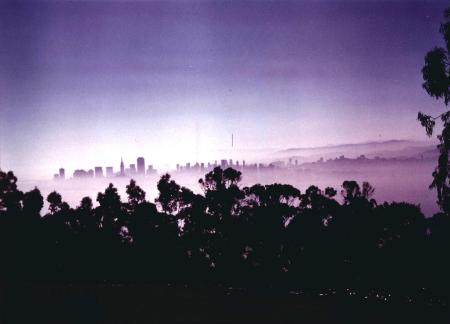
(157, 304)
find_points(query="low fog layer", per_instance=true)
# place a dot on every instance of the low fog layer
(393, 181)
(399, 171)
(399, 149)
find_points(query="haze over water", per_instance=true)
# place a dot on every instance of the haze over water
(401, 173)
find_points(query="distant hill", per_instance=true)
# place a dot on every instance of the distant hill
(384, 149)
(350, 145)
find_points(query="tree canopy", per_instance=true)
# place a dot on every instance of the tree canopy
(436, 76)
(227, 235)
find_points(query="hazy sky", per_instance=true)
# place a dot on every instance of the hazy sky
(84, 83)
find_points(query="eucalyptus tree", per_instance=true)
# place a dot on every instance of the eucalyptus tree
(436, 76)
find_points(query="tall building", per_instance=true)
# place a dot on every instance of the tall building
(98, 172)
(151, 170)
(109, 172)
(140, 165)
(62, 173)
(83, 174)
(132, 169)
(122, 168)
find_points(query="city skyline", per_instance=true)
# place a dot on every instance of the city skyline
(173, 80)
(133, 171)
(97, 171)
(394, 150)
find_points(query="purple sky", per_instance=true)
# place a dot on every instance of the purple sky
(84, 83)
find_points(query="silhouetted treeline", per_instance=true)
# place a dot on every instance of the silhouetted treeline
(258, 236)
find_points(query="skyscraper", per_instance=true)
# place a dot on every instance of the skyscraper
(98, 172)
(62, 173)
(122, 168)
(151, 170)
(109, 172)
(140, 165)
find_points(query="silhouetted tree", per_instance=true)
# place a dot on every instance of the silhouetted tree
(10, 197)
(169, 194)
(135, 194)
(221, 191)
(33, 203)
(86, 218)
(330, 192)
(267, 210)
(350, 191)
(55, 201)
(86, 203)
(259, 236)
(110, 207)
(401, 238)
(436, 76)
(222, 196)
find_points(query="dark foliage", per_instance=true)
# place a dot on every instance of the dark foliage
(259, 236)
(436, 77)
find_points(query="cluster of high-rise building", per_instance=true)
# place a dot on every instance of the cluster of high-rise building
(205, 167)
(61, 174)
(237, 165)
(137, 169)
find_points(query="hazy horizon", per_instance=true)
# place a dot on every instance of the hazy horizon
(84, 83)
(388, 167)
(384, 149)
